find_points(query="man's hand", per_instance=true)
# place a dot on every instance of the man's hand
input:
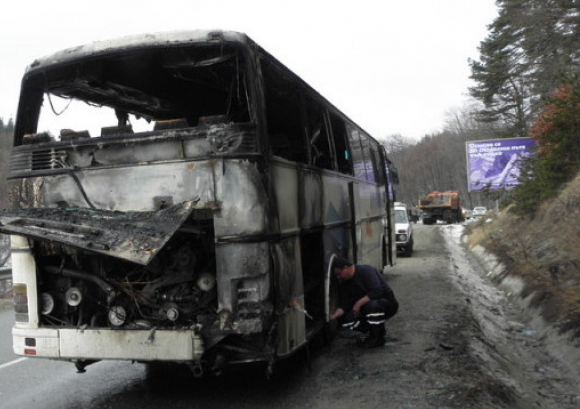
(336, 314)
(359, 304)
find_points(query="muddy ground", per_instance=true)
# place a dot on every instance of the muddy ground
(457, 342)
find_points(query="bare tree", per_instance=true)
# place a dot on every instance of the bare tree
(438, 162)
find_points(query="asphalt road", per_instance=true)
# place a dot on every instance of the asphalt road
(6, 322)
(438, 355)
(27, 383)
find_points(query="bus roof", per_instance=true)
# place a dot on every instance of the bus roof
(96, 48)
(160, 39)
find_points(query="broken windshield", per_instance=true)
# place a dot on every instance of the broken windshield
(127, 91)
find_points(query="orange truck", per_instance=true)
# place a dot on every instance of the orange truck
(444, 206)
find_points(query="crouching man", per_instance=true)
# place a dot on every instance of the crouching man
(366, 301)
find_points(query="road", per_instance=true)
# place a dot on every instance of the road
(457, 342)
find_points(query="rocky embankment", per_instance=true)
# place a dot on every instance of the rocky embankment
(536, 263)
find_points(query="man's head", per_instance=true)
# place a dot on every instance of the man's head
(342, 268)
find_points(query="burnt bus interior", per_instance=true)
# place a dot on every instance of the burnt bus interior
(167, 87)
(178, 92)
(300, 127)
(304, 128)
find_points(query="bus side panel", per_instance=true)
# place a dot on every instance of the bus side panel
(290, 302)
(336, 207)
(243, 199)
(336, 241)
(372, 204)
(243, 277)
(337, 210)
(298, 198)
(311, 211)
(286, 192)
(371, 250)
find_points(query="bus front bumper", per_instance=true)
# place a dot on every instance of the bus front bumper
(100, 344)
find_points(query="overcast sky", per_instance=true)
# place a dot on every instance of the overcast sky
(392, 66)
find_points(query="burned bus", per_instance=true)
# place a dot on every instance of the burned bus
(178, 197)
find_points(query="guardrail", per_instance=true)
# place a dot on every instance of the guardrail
(5, 273)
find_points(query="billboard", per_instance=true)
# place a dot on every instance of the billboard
(495, 163)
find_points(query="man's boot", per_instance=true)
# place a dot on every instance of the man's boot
(377, 338)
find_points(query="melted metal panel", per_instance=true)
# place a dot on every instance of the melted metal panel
(242, 274)
(312, 199)
(336, 205)
(286, 190)
(290, 304)
(124, 189)
(133, 236)
(241, 191)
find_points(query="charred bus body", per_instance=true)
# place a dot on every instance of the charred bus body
(192, 210)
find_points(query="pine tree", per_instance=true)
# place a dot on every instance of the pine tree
(532, 46)
(557, 160)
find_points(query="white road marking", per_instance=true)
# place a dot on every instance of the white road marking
(12, 362)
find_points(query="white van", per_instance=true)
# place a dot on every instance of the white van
(403, 229)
